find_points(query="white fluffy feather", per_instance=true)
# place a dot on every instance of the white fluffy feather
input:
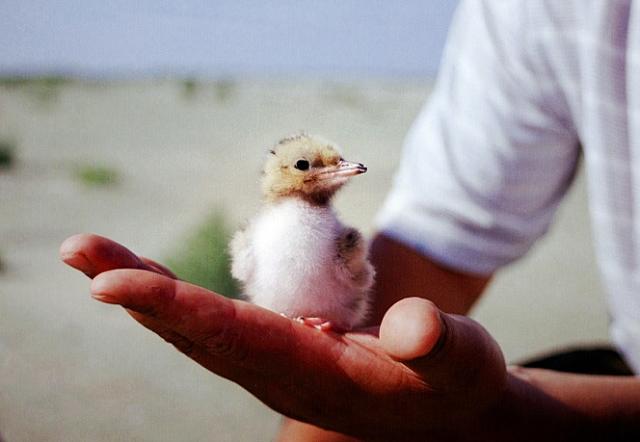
(288, 261)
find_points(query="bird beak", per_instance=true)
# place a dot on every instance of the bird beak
(343, 169)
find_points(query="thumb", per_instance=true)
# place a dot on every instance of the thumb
(450, 352)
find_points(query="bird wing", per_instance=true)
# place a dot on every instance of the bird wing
(351, 259)
(242, 256)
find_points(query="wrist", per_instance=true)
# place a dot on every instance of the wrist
(526, 411)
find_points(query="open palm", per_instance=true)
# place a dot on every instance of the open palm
(422, 372)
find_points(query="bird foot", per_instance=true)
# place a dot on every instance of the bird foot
(315, 322)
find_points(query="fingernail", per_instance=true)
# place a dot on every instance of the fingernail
(104, 298)
(100, 291)
(78, 261)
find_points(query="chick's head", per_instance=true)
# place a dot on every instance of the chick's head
(308, 167)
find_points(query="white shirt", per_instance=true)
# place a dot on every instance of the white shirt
(525, 88)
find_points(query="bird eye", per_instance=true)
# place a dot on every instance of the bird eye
(302, 165)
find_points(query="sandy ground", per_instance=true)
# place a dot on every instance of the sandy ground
(72, 369)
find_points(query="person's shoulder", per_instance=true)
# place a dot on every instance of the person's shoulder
(524, 15)
(506, 14)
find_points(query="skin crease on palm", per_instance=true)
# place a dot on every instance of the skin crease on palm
(422, 373)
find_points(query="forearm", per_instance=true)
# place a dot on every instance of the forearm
(547, 405)
(402, 272)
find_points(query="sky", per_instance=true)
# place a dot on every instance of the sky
(223, 37)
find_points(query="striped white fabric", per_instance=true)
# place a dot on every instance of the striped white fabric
(524, 89)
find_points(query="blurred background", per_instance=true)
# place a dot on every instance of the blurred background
(148, 122)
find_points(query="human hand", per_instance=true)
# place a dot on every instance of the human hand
(425, 373)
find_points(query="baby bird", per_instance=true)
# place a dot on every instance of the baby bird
(296, 257)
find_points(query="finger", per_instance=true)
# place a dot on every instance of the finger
(411, 328)
(158, 268)
(186, 326)
(94, 254)
(238, 332)
(183, 307)
(439, 346)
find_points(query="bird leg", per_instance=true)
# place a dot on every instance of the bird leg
(315, 322)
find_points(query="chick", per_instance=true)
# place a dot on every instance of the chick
(296, 257)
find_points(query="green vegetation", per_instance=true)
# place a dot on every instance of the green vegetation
(224, 89)
(44, 81)
(45, 88)
(97, 175)
(189, 87)
(203, 259)
(7, 153)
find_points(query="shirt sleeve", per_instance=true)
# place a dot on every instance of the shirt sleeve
(489, 158)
